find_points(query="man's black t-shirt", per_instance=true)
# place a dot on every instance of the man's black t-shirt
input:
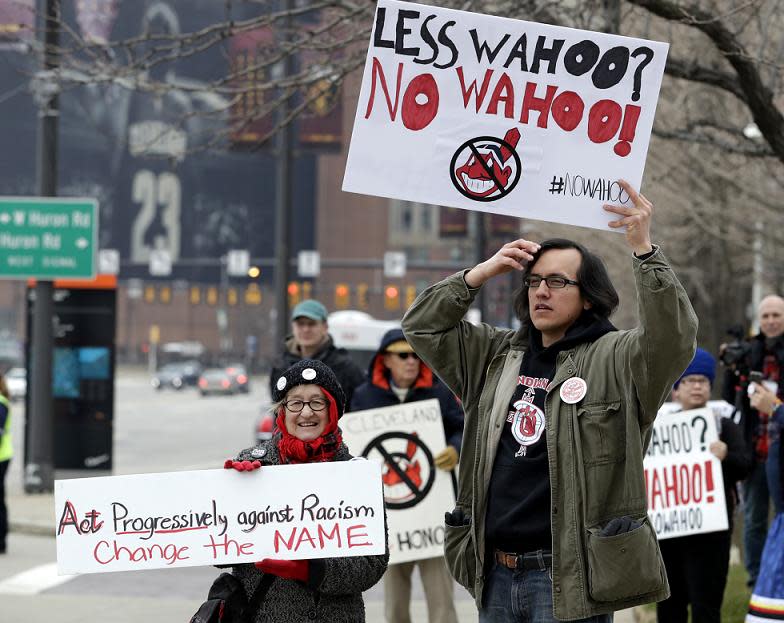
(518, 510)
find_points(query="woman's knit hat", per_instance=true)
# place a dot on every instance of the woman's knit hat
(703, 364)
(310, 372)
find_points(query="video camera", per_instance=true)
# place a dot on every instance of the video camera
(736, 354)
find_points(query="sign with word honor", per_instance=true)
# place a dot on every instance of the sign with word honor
(403, 440)
(214, 517)
(500, 115)
(683, 478)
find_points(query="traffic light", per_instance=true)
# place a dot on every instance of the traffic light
(362, 296)
(410, 295)
(392, 297)
(253, 295)
(341, 296)
(307, 289)
(294, 293)
(165, 294)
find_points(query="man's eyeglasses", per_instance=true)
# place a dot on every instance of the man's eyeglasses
(405, 356)
(553, 282)
(295, 406)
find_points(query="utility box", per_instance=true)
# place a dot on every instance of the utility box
(83, 367)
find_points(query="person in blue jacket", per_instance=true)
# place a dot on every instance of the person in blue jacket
(396, 375)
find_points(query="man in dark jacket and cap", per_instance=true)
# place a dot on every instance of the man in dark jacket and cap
(396, 375)
(310, 339)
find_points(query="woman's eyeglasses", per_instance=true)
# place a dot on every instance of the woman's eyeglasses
(405, 356)
(295, 406)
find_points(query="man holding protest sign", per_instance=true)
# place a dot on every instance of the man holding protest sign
(697, 564)
(551, 513)
(395, 376)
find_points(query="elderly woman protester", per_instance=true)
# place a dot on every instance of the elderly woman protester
(308, 403)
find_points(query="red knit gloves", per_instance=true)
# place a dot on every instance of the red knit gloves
(288, 569)
(241, 466)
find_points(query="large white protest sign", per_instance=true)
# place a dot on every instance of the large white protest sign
(683, 479)
(403, 439)
(500, 115)
(212, 517)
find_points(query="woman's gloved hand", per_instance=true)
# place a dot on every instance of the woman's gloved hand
(446, 459)
(241, 466)
(288, 569)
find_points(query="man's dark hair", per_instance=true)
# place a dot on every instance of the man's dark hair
(595, 284)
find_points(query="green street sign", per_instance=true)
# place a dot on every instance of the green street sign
(48, 238)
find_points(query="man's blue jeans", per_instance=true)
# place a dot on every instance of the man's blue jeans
(522, 596)
(755, 519)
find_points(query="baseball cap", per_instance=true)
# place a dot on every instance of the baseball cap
(310, 308)
(400, 346)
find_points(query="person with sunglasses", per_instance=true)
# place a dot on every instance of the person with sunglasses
(397, 375)
(551, 521)
(308, 402)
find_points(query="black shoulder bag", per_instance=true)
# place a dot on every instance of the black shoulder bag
(228, 603)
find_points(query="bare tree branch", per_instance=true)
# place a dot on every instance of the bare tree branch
(758, 96)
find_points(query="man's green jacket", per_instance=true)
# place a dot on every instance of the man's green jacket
(595, 447)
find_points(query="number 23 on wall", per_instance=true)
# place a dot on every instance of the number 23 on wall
(157, 224)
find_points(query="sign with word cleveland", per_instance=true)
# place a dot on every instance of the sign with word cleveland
(403, 439)
(213, 517)
(500, 115)
(683, 479)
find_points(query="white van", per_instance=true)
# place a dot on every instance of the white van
(359, 333)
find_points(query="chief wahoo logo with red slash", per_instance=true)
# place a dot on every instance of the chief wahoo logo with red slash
(487, 168)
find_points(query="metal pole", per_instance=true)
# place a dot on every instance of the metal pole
(39, 472)
(283, 208)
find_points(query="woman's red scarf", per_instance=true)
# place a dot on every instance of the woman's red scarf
(324, 448)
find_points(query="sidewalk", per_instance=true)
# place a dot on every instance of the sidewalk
(31, 514)
(35, 514)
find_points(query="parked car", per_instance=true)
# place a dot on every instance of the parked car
(240, 373)
(16, 380)
(219, 381)
(177, 375)
(265, 425)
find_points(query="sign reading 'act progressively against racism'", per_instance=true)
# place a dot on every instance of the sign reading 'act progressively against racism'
(404, 439)
(213, 517)
(683, 478)
(500, 115)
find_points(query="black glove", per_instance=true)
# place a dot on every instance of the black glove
(456, 518)
(619, 525)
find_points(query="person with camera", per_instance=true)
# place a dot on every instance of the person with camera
(551, 521)
(763, 353)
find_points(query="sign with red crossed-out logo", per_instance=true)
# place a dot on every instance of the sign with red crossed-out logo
(403, 439)
(500, 115)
